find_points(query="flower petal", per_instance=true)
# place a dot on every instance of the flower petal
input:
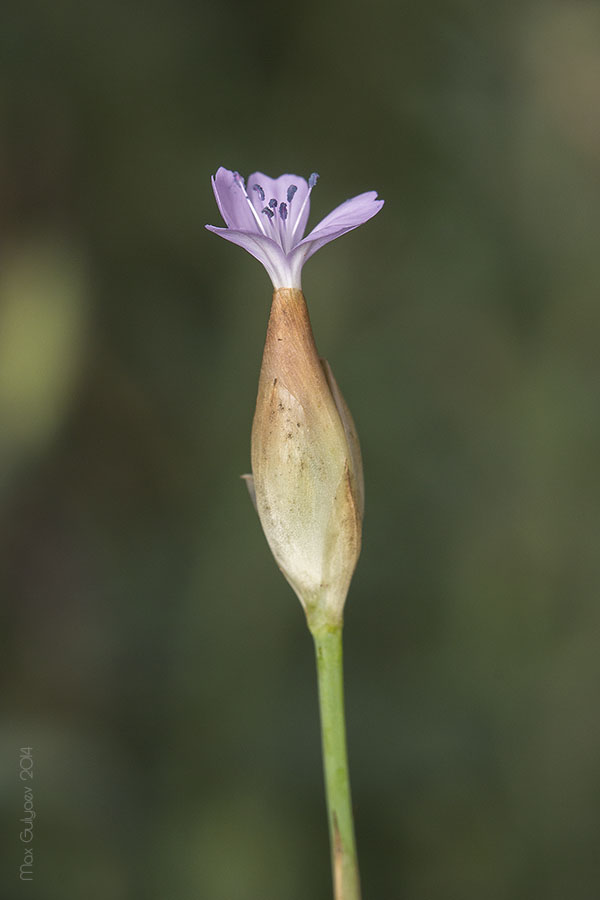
(345, 217)
(231, 201)
(265, 250)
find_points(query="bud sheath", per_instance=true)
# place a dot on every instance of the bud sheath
(306, 464)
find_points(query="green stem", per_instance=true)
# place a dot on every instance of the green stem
(328, 646)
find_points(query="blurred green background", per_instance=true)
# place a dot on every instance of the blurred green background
(152, 654)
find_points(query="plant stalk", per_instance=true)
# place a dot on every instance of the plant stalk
(344, 863)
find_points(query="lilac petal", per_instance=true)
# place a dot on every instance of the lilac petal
(231, 201)
(264, 249)
(344, 218)
(348, 214)
(277, 188)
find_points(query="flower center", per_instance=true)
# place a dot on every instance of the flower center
(281, 220)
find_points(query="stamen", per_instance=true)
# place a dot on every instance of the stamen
(283, 212)
(298, 215)
(268, 212)
(259, 191)
(290, 192)
(240, 183)
(273, 204)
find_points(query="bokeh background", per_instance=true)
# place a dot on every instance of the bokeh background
(153, 656)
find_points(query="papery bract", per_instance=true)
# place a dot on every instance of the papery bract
(306, 465)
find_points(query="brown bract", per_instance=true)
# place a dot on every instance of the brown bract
(306, 464)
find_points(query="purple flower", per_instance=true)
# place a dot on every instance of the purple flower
(268, 219)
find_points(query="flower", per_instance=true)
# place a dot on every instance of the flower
(307, 478)
(268, 219)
